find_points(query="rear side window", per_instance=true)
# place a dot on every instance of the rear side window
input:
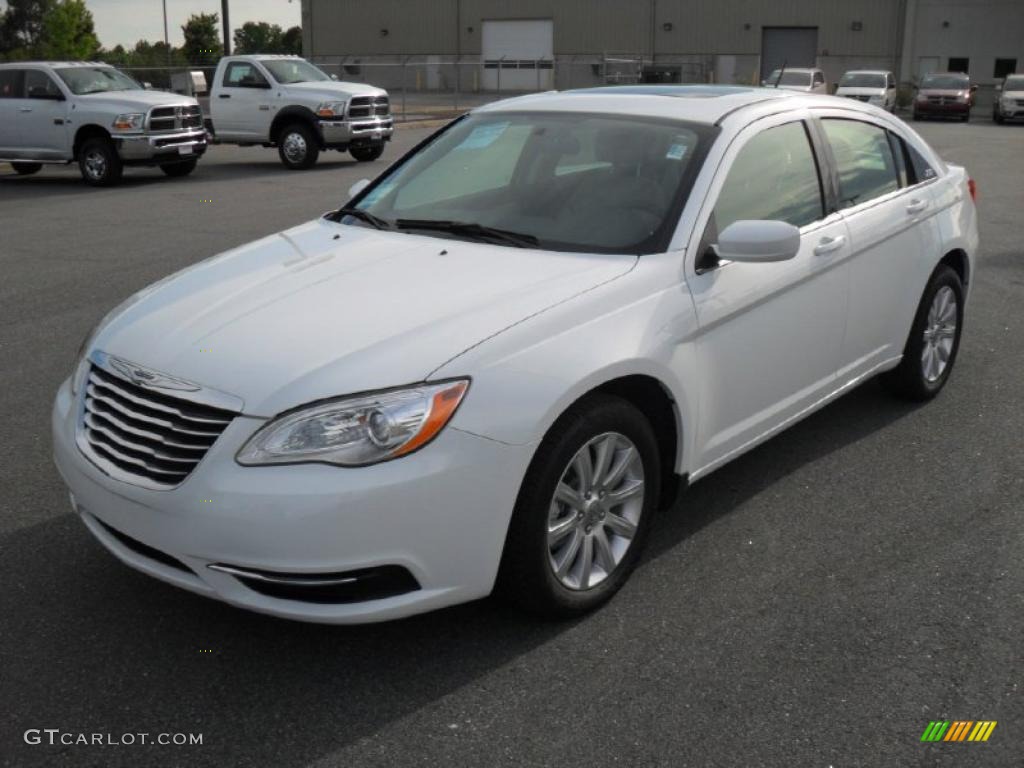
(918, 167)
(242, 74)
(10, 83)
(864, 160)
(774, 176)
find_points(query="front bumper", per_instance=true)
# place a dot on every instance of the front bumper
(163, 147)
(1012, 111)
(440, 514)
(931, 109)
(370, 130)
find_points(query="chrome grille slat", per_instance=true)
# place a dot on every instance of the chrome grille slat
(142, 435)
(126, 410)
(93, 424)
(107, 382)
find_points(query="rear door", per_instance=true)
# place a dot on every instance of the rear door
(242, 109)
(10, 97)
(770, 333)
(889, 222)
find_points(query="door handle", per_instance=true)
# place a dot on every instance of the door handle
(916, 206)
(25, 109)
(225, 96)
(829, 245)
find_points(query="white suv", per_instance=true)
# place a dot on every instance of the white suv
(496, 363)
(63, 112)
(874, 86)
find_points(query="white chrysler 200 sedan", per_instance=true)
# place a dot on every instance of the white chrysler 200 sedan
(492, 367)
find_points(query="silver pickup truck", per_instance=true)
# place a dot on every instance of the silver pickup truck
(92, 114)
(288, 103)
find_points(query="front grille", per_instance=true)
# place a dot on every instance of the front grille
(144, 434)
(1020, 102)
(943, 100)
(369, 106)
(175, 118)
(859, 98)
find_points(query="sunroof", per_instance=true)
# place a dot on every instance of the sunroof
(679, 91)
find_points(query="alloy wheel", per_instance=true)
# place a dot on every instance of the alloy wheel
(939, 334)
(295, 147)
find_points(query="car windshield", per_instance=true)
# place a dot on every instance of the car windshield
(287, 71)
(862, 80)
(946, 82)
(1014, 83)
(790, 78)
(559, 181)
(83, 80)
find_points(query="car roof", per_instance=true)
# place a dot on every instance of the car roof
(19, 64)
(808, 70)
(694, 103)
(868, 72)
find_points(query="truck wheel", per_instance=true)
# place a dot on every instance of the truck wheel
(99, 162)
(26, 169)
(179, 169)
(297, 146)
(367, 154)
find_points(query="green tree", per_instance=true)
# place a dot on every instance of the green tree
(68, 32)
(21, 27)
(258, 37)
(291, 41)
(202, 38)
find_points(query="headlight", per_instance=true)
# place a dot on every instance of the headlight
(359, 430)
(331, 109)
(876, 99)
(130, 122)
(961, 96)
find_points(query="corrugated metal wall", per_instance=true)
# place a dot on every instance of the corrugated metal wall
(355, 27)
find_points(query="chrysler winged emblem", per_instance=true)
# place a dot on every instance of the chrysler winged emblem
(147, 377)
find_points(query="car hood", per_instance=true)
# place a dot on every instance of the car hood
(139, 100)
(334, 89)
(327, 309)
(851, 91)
(1011, 94)
(800, 88)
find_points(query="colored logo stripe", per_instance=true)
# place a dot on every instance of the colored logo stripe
(958, 730)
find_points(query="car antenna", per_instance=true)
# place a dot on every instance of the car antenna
(781, 73)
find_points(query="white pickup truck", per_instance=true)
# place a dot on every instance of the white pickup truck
(288, 103)
(63, 112)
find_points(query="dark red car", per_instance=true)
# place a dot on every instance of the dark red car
(944, 94)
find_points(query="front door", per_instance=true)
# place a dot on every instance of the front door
(10, 98)
(42, 117)
(243, 110)
(770, 334)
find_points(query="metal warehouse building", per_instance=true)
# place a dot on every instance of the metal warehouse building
(530, 44)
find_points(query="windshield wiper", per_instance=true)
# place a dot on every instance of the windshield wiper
(358, 213)
(471, 231)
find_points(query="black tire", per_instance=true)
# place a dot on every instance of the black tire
(174, 170)
(999, 118)
(26, 169)
(908, 380)
(526, 575)
(917, 117)
(298, 147)
(367, 154)
(99, 162)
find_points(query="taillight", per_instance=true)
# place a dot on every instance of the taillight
(973, 189)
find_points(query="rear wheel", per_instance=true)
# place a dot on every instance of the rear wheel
(26, 169)
(99, 162)
(175, 170)
(297, 146)
(584, 510)
(367, 154)
(934, 340)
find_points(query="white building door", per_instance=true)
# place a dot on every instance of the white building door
(518, 55)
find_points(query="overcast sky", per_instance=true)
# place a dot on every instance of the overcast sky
(126, 21)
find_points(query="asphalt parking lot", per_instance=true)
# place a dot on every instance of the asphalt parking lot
(815, 603)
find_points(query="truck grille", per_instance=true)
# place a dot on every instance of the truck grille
(175, 118)
(369, 106)
(148, 436)
(859, 98)
(943, 100)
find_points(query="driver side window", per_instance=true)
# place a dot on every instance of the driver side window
(774, 177)
(39, 85)
(241, 74)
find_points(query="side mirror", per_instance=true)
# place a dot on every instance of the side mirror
(147, 86)
(358, 187)
(999, 86)
(334, 77)
(758, 241)
(974, 88)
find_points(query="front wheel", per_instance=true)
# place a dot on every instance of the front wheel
(367, 154)
(584, 510)
(99, 162)
(26, 169)
(297, 147)
(175, 170)
(934, 340)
